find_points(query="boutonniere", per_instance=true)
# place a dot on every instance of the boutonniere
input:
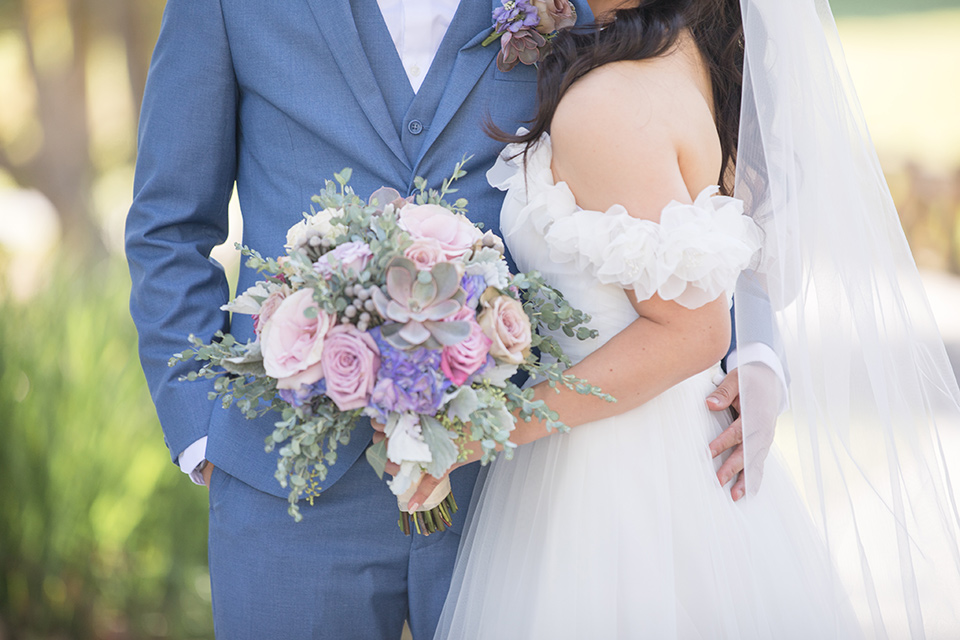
(526, 27)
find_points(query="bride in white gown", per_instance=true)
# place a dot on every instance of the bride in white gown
(619, 529)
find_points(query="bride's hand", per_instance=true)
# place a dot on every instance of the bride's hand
(428, 483)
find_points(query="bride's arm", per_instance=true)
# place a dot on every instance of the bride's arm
(639, 135)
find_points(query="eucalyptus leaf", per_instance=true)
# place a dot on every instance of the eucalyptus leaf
(377, 457)
(442, 448)
(462, 404)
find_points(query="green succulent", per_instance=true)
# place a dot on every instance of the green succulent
(416, 304)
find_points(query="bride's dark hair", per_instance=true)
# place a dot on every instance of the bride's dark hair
(643, 32)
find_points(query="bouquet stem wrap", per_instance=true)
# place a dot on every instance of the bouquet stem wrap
(435, 514)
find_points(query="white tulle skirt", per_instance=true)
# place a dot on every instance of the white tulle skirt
(619, 529)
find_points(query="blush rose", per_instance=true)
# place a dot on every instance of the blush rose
(350, 363)
(458, 362)
(292, 340)
(504, 321)
(268, 308)
(425, 252)
(455, 233)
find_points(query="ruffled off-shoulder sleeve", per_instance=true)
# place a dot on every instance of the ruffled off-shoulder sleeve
(692, 256)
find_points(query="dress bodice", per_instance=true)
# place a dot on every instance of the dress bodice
(693, 255)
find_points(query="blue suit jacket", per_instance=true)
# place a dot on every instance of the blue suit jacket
(276, 98)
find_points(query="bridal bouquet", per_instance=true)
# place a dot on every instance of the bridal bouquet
(400, 310)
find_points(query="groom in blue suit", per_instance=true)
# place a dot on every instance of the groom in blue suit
(274, 98)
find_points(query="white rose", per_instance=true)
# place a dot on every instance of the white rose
(314, 225)
(249, 301)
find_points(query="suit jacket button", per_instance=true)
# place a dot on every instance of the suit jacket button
(415, 127)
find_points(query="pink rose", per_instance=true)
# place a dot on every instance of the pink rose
(425, 252)
(292, 340)
(267, 309)
(353, 257)
(350, 363)
(460, 361)
(504, 321)
(455, 233)
(554, 15)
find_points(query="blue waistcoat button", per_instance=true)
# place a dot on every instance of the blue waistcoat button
(415, 127)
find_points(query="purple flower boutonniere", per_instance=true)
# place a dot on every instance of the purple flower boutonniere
(526, 27)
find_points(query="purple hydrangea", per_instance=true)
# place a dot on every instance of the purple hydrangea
(407, 380)
(515, 15)
(303, 395)
(473, 286)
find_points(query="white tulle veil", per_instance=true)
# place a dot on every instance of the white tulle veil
(874, 411)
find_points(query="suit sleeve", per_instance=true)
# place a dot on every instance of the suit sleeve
(186, 167)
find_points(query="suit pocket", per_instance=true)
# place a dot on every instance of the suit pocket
(218, 478)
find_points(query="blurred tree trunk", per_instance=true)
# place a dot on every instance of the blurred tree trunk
(62, 168)
(138, 25)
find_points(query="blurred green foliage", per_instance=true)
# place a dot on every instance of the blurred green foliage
(884, 7)
(100, 536)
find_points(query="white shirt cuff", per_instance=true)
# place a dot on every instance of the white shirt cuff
(191, 458)
(758, 352)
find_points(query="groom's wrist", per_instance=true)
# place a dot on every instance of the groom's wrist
(191, 459)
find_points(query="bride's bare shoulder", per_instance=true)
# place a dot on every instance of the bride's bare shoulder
(642, 129)
(675, 84)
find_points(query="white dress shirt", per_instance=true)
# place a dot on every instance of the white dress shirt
(417, 28)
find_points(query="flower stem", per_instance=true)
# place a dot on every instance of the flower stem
(493, 37)
(427, 522)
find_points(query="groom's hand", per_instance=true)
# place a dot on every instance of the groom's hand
(206, 472)
(727, 396)
(765, 408)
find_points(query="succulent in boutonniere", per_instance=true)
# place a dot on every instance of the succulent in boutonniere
(526, 27)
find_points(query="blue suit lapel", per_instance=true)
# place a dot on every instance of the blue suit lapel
(336, 23)
(472, 61)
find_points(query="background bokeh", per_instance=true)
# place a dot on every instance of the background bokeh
(100, 536)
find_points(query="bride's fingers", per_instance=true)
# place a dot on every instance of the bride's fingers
(378, 427)
(427, 485)
(739, 487)
(731, 466)
(379, 436)
(731, 437)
